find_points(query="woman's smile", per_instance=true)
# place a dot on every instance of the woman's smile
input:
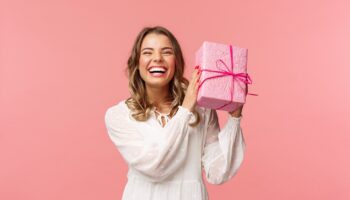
(157, 71)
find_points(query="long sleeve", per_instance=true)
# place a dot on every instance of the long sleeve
(223, 150)
(155, 152)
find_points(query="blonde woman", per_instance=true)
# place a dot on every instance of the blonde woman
(166, 139)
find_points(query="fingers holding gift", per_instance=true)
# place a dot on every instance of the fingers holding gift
(196, 80)
(195, 76)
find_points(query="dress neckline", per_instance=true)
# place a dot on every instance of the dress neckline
(160, 115)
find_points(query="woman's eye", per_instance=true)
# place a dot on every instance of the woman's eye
(168, 52)
(146, 52)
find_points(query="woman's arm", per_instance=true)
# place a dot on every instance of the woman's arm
(224, 150)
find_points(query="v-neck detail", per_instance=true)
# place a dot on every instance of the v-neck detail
(161, 116)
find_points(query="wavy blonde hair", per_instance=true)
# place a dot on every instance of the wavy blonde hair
(138, 102)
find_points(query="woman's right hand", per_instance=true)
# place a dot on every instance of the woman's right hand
(190, 99)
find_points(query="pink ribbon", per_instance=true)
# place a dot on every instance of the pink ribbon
(243, 77)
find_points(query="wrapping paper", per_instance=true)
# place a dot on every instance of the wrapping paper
(225, 92)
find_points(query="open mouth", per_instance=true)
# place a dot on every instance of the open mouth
(157, 70)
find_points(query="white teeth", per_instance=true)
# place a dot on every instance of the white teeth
(158, 69)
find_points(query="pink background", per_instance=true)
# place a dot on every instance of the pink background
(61, 67)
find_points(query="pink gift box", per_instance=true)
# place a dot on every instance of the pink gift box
(223, 80)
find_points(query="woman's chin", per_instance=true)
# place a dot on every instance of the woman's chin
(159, 83)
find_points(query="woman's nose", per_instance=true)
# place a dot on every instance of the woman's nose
(157, 57)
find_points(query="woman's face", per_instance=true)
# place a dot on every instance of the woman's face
(157, 60)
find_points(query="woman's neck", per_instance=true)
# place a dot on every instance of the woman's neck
(159, 97)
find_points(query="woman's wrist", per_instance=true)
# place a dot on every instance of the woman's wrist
(183, 107)
(187, 107)
(236, 113)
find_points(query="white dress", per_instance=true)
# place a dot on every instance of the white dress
(165, 163)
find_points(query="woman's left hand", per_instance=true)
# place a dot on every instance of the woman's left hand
(238, 111)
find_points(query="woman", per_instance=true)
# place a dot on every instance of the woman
(163, 136)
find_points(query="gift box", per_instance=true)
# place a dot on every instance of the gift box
(224, 78)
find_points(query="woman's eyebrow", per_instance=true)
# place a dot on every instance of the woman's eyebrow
(149, 48)
(167, 48)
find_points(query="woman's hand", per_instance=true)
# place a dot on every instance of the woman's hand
(190, 99)
(238, 112)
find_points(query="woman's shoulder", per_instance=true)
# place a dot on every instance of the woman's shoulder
(116, 110)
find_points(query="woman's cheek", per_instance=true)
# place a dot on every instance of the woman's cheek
(143, 65)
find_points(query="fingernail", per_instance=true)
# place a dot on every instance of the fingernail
(196, 67)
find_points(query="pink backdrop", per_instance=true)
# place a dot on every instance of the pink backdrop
(61, 67)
